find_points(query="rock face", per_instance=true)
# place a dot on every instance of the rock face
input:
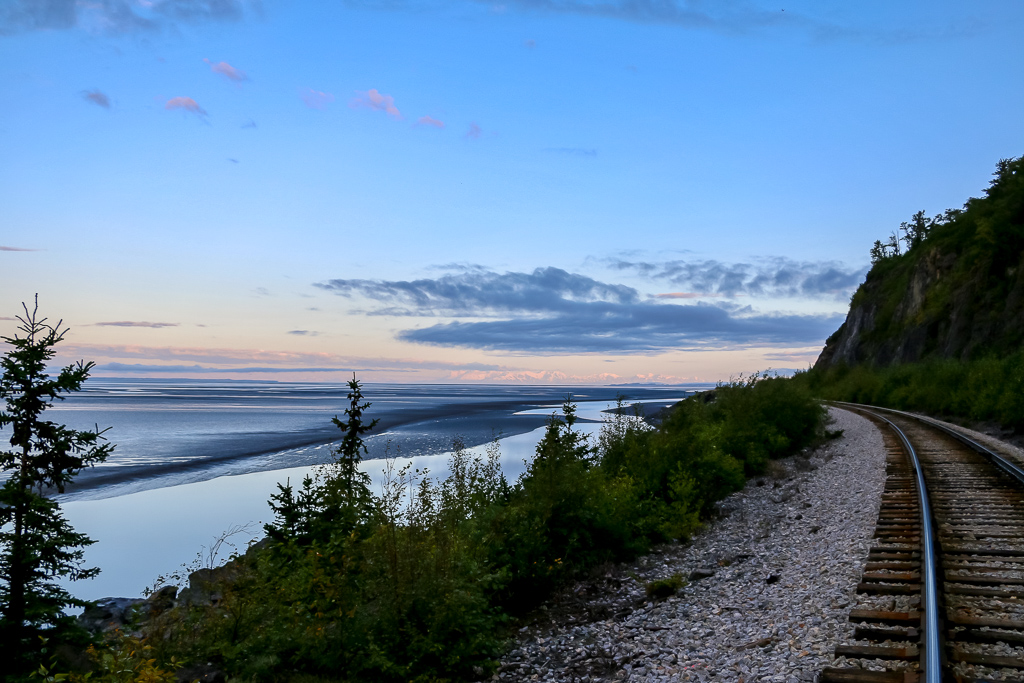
(931, 305)
(126, 614)
(957, 293)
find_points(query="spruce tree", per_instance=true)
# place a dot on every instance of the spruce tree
(37, 545)
(339, 501)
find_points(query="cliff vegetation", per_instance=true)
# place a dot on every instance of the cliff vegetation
(951, 286)
(938, 324)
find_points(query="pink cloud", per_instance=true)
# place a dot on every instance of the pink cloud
(372, 99)
(227, 71)
(315, 99)
(474, 132)
(429, 121)
(185, 104)
(685, 295)
(135, 323)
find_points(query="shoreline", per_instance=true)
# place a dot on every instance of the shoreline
(159, 452)
(144, 533)
(412, 435)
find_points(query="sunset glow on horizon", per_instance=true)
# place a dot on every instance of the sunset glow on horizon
(559, 193)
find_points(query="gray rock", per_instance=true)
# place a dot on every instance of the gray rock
(110, 614)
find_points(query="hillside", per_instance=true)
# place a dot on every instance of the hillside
(949, 287)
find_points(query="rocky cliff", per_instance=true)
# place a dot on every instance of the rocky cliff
(957, 292)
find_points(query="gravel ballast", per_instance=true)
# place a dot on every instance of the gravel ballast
(769, 584)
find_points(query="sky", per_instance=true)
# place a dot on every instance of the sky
(530, 191)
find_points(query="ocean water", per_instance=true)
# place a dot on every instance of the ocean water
(169, 433)
(195, 459)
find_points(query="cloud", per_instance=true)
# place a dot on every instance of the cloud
(3, 248)
(135, 323)
(574, 151)
(683, 295)
(227, 71)
(372, 99)
(429, 121)
(638, 328)
(185, 104)
(117, 16)
(738, 17)
(138, 367)
(316, 99)
(774, 276)
(474, 132)
(248, 357)
(559, 377)
(476, 292)
(97, 98)
(303, 333)
(554, 311)
(732, 16)
(461, 267)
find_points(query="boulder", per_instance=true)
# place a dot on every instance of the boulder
(110, 614)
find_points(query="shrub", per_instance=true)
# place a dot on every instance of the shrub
(664, 588)
(987, 389)
(414, 584)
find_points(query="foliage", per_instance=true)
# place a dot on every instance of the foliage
(37, 545)
(968, 260)
(415, 583)
(988, 389)
(952, 306)
(563, 516)
(663, 588)
(339, 502)
(122, 659)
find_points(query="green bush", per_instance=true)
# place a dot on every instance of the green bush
(987, 389)
(563, 516)
(414, 584)
(663, 588)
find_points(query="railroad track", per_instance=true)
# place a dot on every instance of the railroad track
(942, 593)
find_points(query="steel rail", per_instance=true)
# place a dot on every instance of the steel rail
(931, 641)
(1012, 469)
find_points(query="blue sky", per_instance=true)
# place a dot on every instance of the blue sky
(560, 191)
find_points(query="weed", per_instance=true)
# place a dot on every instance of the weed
(664, 588)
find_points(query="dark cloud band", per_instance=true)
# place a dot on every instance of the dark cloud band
(553, 311)
(644, 328)
(775, 276)
(115, 16)
(479, 292)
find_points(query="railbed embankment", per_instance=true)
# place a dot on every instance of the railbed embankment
(769, 584)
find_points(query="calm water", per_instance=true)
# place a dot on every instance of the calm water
(196, 458)
(171, 433)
